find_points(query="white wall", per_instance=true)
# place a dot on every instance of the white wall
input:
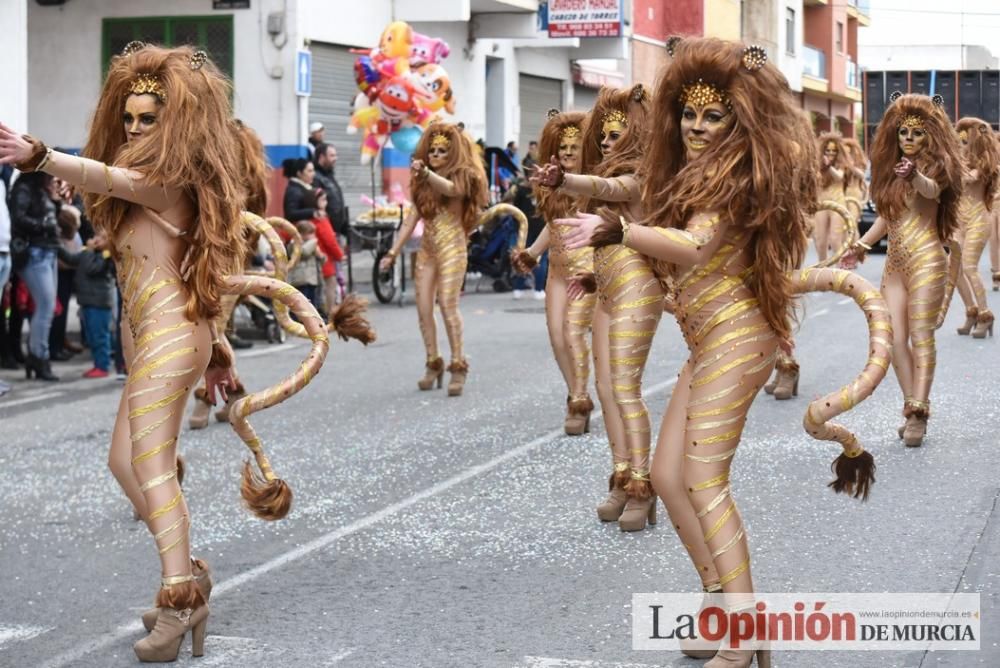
(65, 79)
(14, 64)
(326, 21)
(791, 65)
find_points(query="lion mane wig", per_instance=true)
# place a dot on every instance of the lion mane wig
(841, 162)
(194, 150)
(551, 202)
(462, 167)
(982, 154)
(940, 160)
(753, 176)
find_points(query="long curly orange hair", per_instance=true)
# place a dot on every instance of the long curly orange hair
(752, 177)
(462, 167)
(626, 158)
(194, 151)
(940, 160)
(552, 203)
(253, 167)
(840, 163)
(982, 154)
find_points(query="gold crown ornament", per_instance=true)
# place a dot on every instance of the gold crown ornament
(440, 140)
(615, 120)
(700, 93)
(148, 83)
(963, 135)
(912, 122)
(570, 133)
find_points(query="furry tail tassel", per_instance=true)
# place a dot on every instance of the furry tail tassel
(855, 475)
(347, 320)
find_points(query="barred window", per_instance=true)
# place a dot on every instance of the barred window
(214, 34)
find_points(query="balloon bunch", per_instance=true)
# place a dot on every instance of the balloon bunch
(402, 87)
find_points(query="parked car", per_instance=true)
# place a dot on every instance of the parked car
(868, 216)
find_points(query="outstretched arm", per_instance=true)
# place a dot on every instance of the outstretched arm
(689, 247)
(29, 154)
(436, 181)
(617, 189)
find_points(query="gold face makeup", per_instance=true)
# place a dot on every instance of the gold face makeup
(911, 135)
(437, 154)
(703, 125)
(613, 126)
(570, 140)
(140, 116)
(830, 150)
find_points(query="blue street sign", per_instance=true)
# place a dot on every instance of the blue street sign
(303, 73)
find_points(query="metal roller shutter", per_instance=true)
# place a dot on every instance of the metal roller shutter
(584, 98)
(537, 95)
(333, 91)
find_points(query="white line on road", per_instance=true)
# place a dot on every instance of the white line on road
(339, 656)
(266, 351)
(73, 656)
(548, 662)
(30, 400)
(822, 311)
(845, 300)
(13, 633)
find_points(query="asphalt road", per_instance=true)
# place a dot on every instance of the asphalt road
(434, 531)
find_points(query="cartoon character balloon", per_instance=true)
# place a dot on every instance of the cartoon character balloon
(402, 86)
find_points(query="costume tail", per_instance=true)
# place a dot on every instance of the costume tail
(347, 319)
(850, 231)
(499, 210)
(854, 468)
(954, 276)
(267, 496)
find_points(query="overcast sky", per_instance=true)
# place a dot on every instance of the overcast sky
(923, 22)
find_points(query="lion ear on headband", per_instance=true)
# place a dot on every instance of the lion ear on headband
(938, 100)
(639, 93)
(552, 113)
(132, 47)
(198, 58)
(754, 57)
(672, 43)
(895, 95)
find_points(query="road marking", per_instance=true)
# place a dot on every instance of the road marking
(29, 400)
(339, 656)
(266, 351)
(73, 656)
(845, 300)
(549, 662)
(822, 311)
(15, 633)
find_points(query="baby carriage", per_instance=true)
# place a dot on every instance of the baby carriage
(489, 252)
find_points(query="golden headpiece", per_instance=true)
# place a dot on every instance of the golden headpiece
(148, 83)
(440, 140)
(963, 135)
(700, 93)
(616, 118)
(913, 122)
(570, 133)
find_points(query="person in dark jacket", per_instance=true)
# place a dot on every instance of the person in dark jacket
(34, 207)
(300, 173)
(95, 292)
(326, 163)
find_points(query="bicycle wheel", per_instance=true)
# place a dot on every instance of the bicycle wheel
(383, 282)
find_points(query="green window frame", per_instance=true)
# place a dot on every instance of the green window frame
(171, 31)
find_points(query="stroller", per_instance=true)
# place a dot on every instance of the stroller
(489, 252)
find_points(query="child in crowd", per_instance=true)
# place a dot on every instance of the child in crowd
(306, 274)
(327, 239)
(95, 292)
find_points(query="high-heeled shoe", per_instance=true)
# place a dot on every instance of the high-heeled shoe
(788, 382)
(181, 608)
(164, 642)
(773, 383)
(237, 393)
(996, 279)
(578, 415)
(984, 324)
(740, 658)
(434, 373)
(39, 368)
(917, 414)
(612, 507)
(202, 577)
(971, 314)
(637, 513)
(202, 409)
(699, 652)
(459, 372)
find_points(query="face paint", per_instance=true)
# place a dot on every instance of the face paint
(140, 115)
(703, 125)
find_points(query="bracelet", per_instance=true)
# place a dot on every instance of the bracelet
(391, 254)
(625, 226)
(40, 154)
(45, 160)
(425, 172)
(861, 243)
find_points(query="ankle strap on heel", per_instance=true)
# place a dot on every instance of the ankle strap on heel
(168, 582)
